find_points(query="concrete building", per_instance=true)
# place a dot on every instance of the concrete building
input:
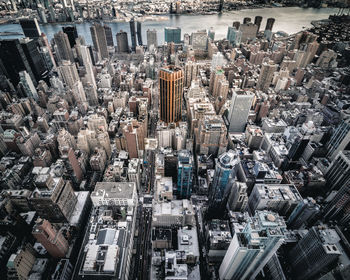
(52, 239)
(99, 40)
(266, 75)
(250, 250)
(282, 199)
(239, 110)
(152, 38)
(64, 50)
(20, 264)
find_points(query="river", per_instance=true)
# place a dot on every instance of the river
(288, 19)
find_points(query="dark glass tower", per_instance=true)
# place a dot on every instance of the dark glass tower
(109, 36)
(171, 81)
(133, 34)
(72, 34)
(139, 33)
(14, 60)
(30, 28)
(122, 42)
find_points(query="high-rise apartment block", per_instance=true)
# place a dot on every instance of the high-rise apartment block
(171, 81)
(122, 42)
(52, 239)
(266, 75)
(152, 38)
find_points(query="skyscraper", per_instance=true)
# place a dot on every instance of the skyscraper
(13, 57)
(239, 111)
(252, 248)
(224, 177)
(340, 139)
(184, 173)
(139, 33)
(27, 86)
(269, 24)
(72, 34)
(30, 28)
(63, 47)
(122, 42)
(152, 38)
(303, 213)
(109, 35)
(234, 36)
(53, 241)
(171, 79)
(34, 58)
(172, 34)
(99, 40)
(257, 21)
(266, 75)
(338, 173)
(68, 72)
(315, 251)
(133, 34)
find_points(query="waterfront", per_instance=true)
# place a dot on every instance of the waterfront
(290, 20)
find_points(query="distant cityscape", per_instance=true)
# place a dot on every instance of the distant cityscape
(51, 11)
(196, 158)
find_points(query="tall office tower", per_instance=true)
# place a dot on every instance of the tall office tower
(314, 252)
(171, 79)
(53, 241)
(184, 173)
(340, 139)
(225, 174)
(72, 164)
(252, 248)
(72, 34)
(152, 38)
(234, 36)
(310, 52)
(269, 24)
(239, 110)
(20, 264)
(266, 75)
(109, 35)
(199, 40)
(172, 34)
(338, 173)
(122, 42)
(247, 20)
(86, 57)
(26, 85)
(30, 28)
(34, 58)
(236, 24)
(191, 70)
(139, 33)
(249, 31)
(98, 36)
(303, 213)
(44, 42)
(13, 57)
(63, 48)
(338, 208)
(68, 73)
(257, 21)
(132, 34)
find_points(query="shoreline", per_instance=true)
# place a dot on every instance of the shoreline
(165, 17)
